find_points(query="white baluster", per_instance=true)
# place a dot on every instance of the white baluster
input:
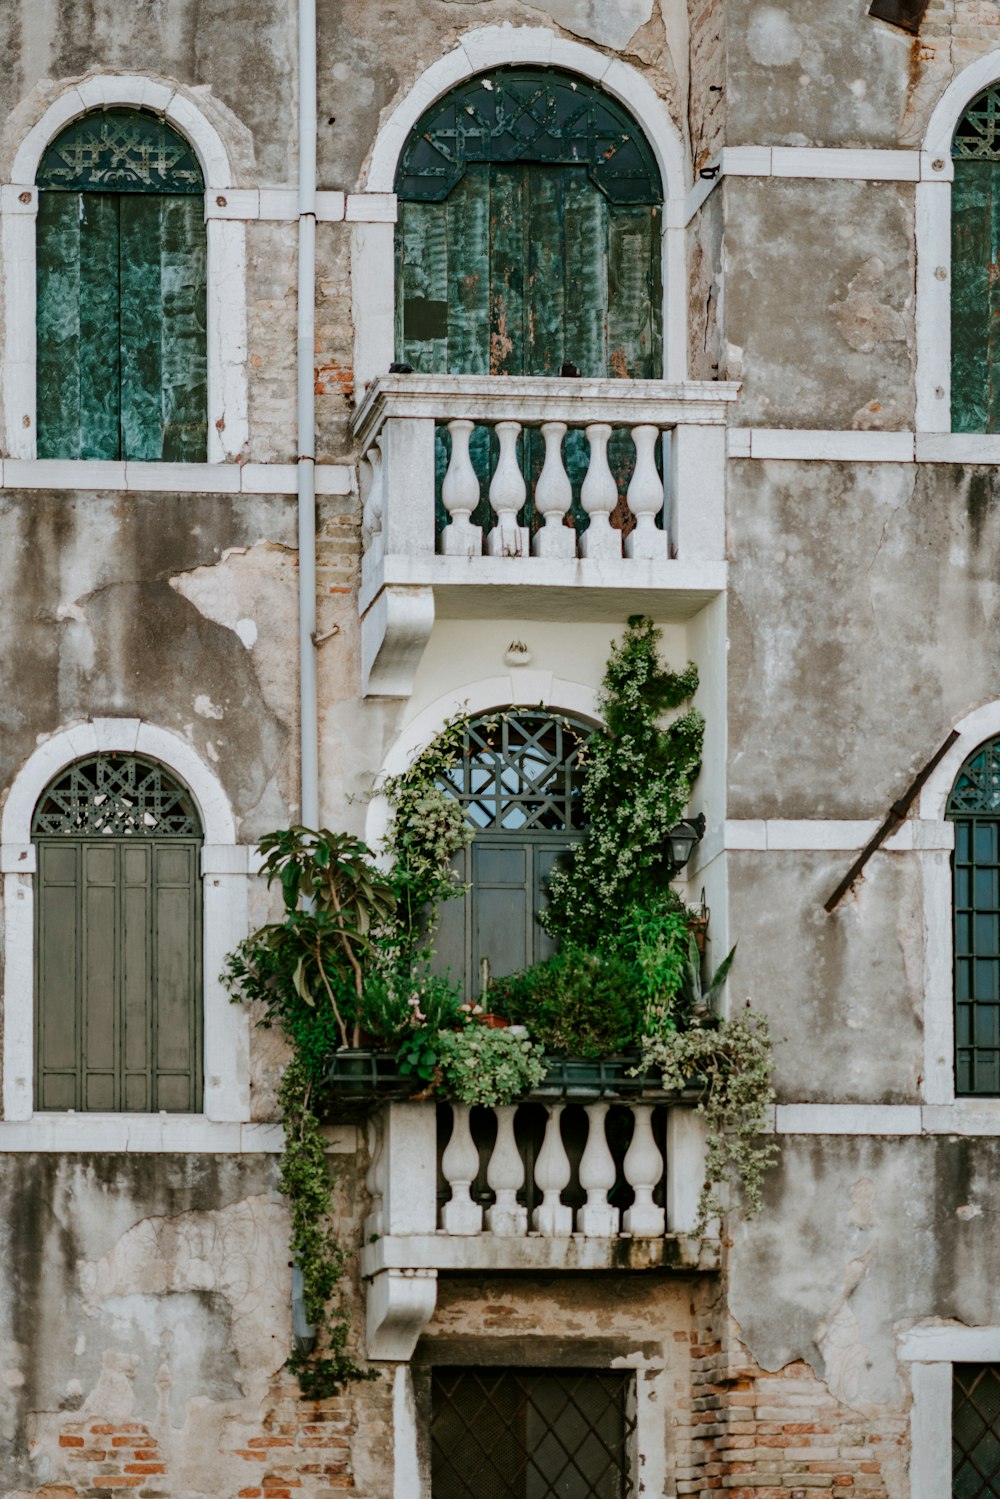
(643, 1167)
(599, 496)
(507, 494)
(645, 499)
(374, 506)
(460, 495)
(505, 1175)
(460, 1164)
(375, 1222)
(552, 1173)
(553, 498)
(597, 1218)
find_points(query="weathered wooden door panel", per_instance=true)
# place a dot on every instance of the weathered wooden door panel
(57, 1027)
(102, 972)
(177, 1038)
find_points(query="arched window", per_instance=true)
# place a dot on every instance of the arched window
(975, 285)
(530, 217)
(121, 287)
(974, 808)
(520, 783)
(118, 1012)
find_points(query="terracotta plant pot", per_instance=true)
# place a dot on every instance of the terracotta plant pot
(493, 1022)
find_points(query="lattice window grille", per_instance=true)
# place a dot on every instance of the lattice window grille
(977, 134)
(120, 150)
(522, 772)
(531, 1434)
(116, 796)
(975, 1431)
(977, 788)
(528, 116)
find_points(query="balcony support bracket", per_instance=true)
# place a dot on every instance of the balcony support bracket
(395, 629)
(400, 1305)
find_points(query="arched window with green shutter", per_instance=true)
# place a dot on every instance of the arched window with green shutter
(975, 256)
(121, 288)
(519, 781)
(118, 986)
(974, 808)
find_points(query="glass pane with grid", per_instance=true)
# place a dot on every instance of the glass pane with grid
(522, 773)
(531, 1434)
(975, 1431)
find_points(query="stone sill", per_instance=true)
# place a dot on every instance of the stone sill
(486, 1253)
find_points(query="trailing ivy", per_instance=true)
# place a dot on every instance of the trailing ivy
(305, 1181)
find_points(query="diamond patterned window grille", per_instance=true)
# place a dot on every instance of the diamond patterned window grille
(974, 807)
(116, 796)
(977, 133)
(532, 1434)
(522, 772)
(975, 1431)
(120, 151)
(528, 115)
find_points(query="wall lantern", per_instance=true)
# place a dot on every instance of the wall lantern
(681, 840)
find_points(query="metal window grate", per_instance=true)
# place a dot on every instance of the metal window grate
(522, 772)
(531, 1434)
(975, 1431)
(120, 151)
(974, 807)
(977, 134)
(116, 796)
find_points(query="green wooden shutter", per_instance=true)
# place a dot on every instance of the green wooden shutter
(975, 297)
(121, 294)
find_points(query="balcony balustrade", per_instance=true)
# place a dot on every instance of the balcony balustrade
(538, 1186)
(514, 495)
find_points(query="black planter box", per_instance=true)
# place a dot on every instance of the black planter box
(597, 1077)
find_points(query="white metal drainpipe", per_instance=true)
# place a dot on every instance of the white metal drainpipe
(306, 379)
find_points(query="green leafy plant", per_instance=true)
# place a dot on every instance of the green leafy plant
(637, 785)
(305, 1181)
(485, 1066)
(579, 1002)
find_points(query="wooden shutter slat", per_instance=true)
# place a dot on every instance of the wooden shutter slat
(177, 1023)
(58, 1031)
(467, 211)
(424, 277)
(58, 325)
(100, 928)
(632, 320)
(508, 205)
(586, 275)
(973, 256)
(141, 329)
(545, 344)
(184, 292)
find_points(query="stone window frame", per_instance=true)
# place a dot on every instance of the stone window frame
(225, 868)
(936, 844)
(373, 267)
(933, 244)
(931, 1349)
(226, 311)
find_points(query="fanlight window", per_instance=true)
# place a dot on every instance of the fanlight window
(974, 807)
(121, 292)
(118, 941)
(975, 290)
(520, 783)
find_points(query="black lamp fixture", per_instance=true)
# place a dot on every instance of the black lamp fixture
(682, 838)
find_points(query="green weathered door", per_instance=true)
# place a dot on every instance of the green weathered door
(118, 1008)
(975, 267)
(121, 287)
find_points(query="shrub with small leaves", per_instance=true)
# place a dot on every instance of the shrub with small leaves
(487, 1066)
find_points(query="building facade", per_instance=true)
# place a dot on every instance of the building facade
(298, 312)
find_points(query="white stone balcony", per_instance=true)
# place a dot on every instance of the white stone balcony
(669, 565)
(538, 1187)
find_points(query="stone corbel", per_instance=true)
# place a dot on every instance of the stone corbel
(400, 1305)
(394, 631)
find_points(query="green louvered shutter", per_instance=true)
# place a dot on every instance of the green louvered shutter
(121, 287)
(118, 980)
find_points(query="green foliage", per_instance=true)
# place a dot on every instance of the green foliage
(480, 1065)
(638, 783)
(305, 1181)
(654, 938)
(731, 1062)
(579, 1002)
(347, 897)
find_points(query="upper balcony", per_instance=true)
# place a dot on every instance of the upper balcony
(537, 497)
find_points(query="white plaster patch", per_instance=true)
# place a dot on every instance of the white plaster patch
(246, 629)
(70, 611)
(968, 1210)
(205, 708)
(610, 25)
(772, 39)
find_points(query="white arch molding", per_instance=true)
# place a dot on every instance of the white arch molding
(372, 251)
(226, 332)
(521, 689)
(933, 244)
(225, 866)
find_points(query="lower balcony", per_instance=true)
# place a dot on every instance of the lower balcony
(543, 498)
(540, 1186)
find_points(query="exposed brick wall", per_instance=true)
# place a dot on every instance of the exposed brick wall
(708, 68)
(782, 1435)
(105, 1458)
